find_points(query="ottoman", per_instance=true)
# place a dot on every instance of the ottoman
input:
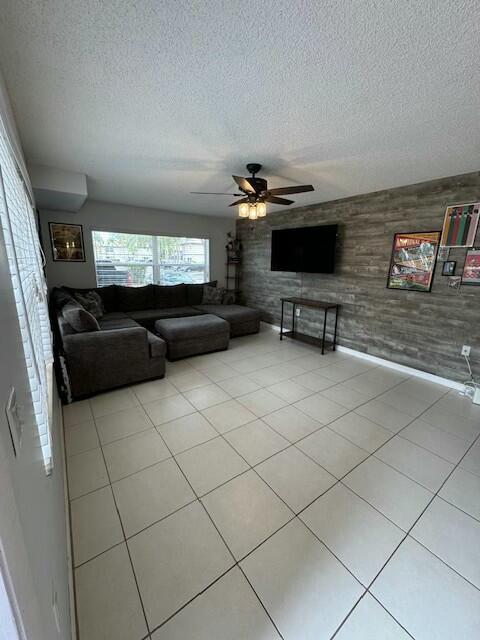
(193, 335)
(242, 320)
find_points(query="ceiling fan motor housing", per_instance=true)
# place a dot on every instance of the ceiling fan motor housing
(253, 167)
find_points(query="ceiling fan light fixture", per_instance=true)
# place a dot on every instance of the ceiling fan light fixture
(252, 213)
(261, 209)
(244, 210)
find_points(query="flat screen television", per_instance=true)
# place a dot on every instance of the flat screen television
(304, 249)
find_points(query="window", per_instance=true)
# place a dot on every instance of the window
(135, 260)
(25, 259)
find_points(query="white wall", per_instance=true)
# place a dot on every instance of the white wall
(114, 217)
(32, 509)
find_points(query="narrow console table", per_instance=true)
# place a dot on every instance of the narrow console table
(313, 304)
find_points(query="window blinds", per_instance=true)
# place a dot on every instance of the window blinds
(25, 260)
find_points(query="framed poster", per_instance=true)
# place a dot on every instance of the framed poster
(67, 242)
(471, 269)
(460, 225)
(413, 260)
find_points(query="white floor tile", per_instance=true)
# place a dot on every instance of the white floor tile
(445, 445)
(405, 403)
(261, 402)
(321, 408)
(219, 371)
(454, 403)
(393, 494)
(428, 599)
(384, 415)
(313, 380)
(112, 402)
(211, 464)
(453, 536)
(86, 472)
(309, 362)
(229, 609)
(345, 396)
(370, 621)
(256, 441)
(361, 431)
(77, 412)
(289, 391)
(154, 390)
(295, 478)
(471, 462)
(228, 415)
(206, 396)
(128, 455)
(334, 453)
(246, 512)
(415, 462)
(168, 409)
(151, 494)
(176, 559)
(121, 424)
(422, 389)
(354, 531)
(302, 585)
(292, 423)
(186, 432)
(95, 525)
(462, 489)
(238, 386)
(467, 428)
(81, 437)
(108, 605)
(190, 380)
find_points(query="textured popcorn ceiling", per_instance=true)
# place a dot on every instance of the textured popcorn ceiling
(152, 99)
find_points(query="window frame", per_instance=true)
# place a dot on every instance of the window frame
(144, 232)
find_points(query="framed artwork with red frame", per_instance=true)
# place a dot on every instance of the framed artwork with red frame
(413, 260)
(471, 269)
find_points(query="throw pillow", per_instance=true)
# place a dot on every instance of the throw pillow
(92, 302)
(228, 297)
(79, 318)
(212, 295)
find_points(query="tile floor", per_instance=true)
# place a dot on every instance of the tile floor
(268, 492)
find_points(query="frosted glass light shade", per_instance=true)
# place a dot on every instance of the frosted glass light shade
(252, 212)
(261, 209)
(244, 210)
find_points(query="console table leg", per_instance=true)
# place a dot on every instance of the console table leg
(293, 319)
(324, 330)
(281, 324)
(335, 331)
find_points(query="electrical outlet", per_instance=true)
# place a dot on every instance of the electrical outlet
(297, 312)
(465, 350)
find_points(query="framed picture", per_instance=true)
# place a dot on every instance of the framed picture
(449, 268)
(413, 260)
(443, 254)
(460, 225)
(67, 242)
(471, 269)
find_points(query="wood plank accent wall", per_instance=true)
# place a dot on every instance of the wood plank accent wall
(421, 330)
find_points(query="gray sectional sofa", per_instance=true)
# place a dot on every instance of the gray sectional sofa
(136, 330)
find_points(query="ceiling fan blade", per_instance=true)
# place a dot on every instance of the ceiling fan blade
(275, 200)
(244, 184)
(239, 202)
(286, 190)
(216, 193)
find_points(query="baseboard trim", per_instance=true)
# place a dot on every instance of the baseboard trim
(417, 373)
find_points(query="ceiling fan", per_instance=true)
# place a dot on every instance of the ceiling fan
(255, 194)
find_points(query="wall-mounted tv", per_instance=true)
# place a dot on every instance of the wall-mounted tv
(304, 249)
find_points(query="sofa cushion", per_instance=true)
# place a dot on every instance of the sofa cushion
(92, 302)
(116, 320)
(59, 297)
(107, 294)
(79, 318)
(189, 328)
(212, 295)
(195, 292)
(135, 298)
(150, 315)
(157, 346)
(169, 296)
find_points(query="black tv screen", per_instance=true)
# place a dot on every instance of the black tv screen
(304, 249)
